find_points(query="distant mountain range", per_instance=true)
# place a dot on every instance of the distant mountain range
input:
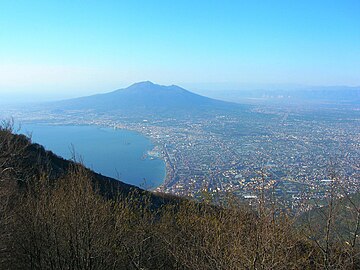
(315, 95)
(145, 98)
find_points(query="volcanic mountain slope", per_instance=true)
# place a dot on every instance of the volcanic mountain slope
(146, 98)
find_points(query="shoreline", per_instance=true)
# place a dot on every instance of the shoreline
(169, 170)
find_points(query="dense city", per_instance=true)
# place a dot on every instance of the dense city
(297, 152)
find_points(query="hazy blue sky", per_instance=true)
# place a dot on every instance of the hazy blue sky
(64, 48)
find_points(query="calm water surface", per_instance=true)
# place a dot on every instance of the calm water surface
(120, 154)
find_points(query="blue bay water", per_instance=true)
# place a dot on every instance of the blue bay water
(116, 153)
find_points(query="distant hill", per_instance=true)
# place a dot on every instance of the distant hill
(145, 98)
(311, 95)
(333, 94)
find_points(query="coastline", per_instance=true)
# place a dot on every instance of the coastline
(161, 153)
(169, 169)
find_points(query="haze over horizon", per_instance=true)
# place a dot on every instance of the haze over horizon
(68, 49)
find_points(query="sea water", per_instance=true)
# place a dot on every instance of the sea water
(117, 153)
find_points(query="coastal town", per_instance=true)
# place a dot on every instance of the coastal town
(298, 151)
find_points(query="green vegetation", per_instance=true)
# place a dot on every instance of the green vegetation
(56, 214)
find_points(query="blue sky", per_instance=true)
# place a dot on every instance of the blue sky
(65, 48)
